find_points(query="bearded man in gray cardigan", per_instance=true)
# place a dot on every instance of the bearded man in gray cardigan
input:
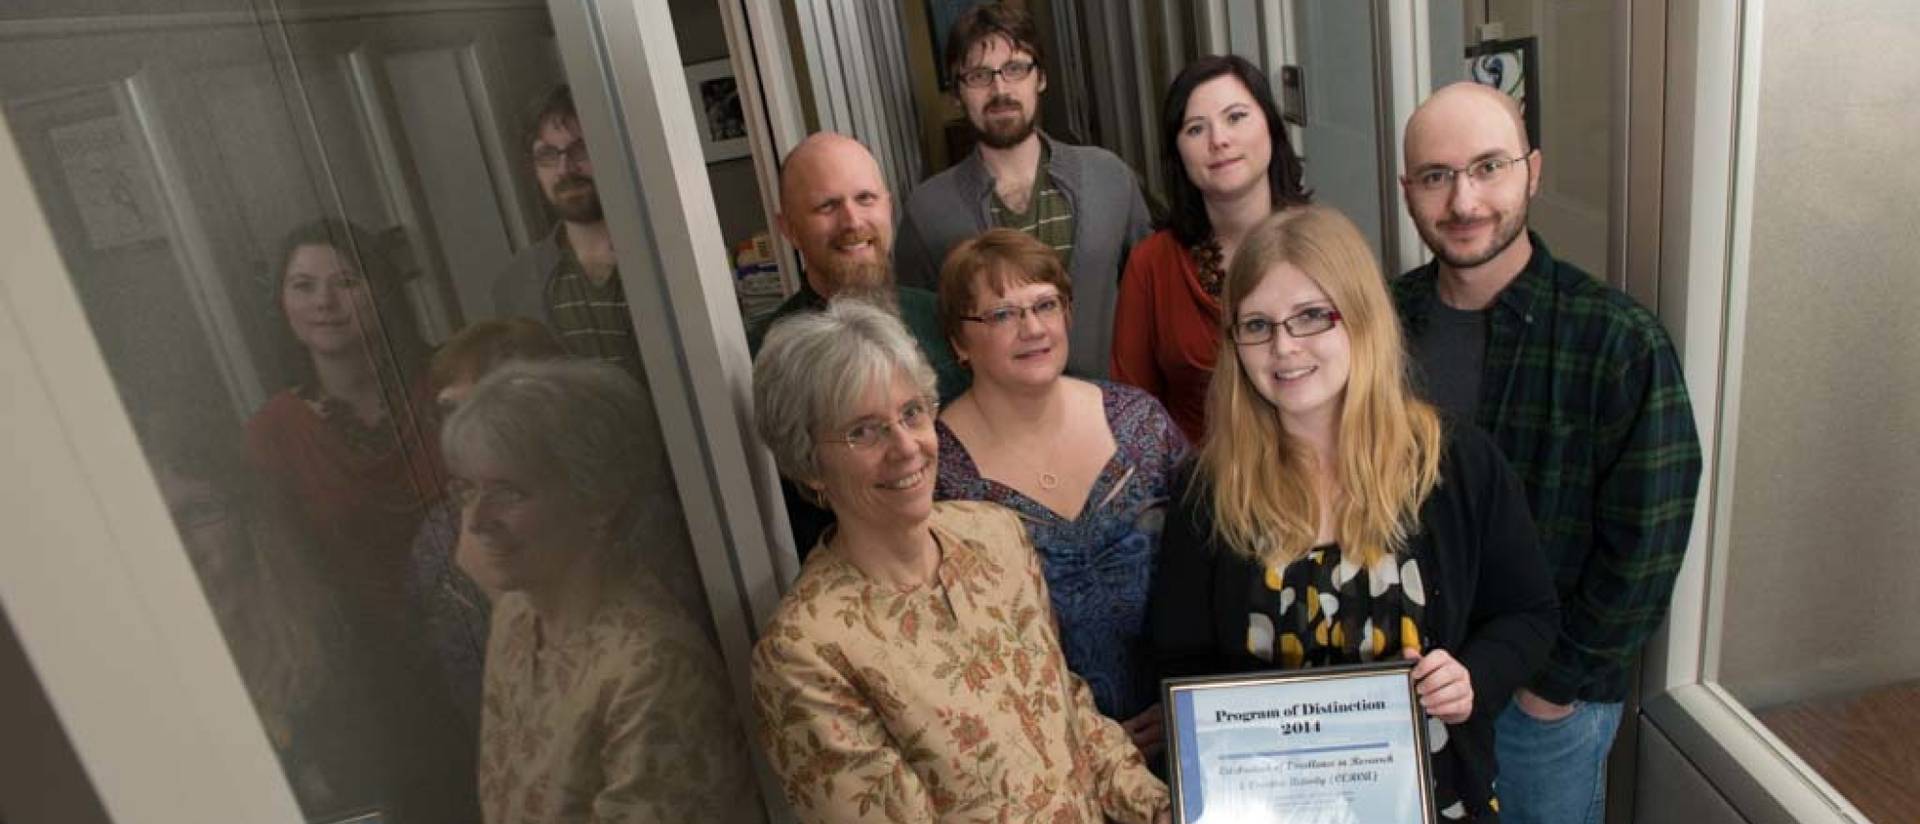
(1082, 201)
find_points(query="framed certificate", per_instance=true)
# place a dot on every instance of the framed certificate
(1330, 745)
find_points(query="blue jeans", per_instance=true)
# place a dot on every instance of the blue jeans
(1554, 772)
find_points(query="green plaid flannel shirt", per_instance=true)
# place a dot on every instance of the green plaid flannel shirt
(1585, 396)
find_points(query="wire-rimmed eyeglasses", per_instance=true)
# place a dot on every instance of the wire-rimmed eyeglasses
(1483, 171)
(915, 416)
(1009, 315)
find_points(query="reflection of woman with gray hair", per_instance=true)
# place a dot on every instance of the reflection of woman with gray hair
(914, 672)
(604, 700)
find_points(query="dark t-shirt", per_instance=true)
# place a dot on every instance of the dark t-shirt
(1451, 350)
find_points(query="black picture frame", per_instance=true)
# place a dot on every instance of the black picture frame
(1513, 67)
(1176, 700)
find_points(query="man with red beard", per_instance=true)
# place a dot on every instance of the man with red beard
(569, 279)
(1080, 200)
(1581, 389)
(836, 210)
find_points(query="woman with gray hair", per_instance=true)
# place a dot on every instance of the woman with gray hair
(604, 700)
(914, 671)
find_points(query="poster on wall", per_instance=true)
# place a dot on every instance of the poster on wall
(1513, 67)
(109, 182)
(716, 110)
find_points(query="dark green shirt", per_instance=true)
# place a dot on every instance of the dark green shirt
(1583, 393)
(918, 310)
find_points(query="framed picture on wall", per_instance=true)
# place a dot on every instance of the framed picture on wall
(941, 15)
(716, 108)
(1512, 66)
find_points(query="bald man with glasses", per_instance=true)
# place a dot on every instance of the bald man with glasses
(1583, 392)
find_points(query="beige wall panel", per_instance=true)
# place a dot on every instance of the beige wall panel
(1824, 579)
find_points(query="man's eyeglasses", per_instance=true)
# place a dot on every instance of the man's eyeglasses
(548, 157)
(915, 416)
(1008, 316)
(1258, 329)
(982, 77)
(1481, 172)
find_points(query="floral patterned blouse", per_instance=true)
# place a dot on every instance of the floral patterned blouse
(625, 719)
(947, 702)
(1099, 566)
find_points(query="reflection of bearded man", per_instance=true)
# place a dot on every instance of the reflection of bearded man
(575, 199)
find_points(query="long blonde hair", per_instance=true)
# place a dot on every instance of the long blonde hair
(1388, 455)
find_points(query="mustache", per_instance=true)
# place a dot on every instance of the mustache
(1000, 102)
(852, 236)
(571, 182)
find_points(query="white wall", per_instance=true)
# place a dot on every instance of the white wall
(1824, 580)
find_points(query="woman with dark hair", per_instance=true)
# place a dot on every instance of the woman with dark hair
(1335, 518)
(346, 458)
(347, 448)
(1228, 166)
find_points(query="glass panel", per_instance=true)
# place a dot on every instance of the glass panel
(1822, 580)
(288, 223)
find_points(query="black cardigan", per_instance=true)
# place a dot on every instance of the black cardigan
(1490, 598)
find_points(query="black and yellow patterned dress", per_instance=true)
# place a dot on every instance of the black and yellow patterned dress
(1322, 610)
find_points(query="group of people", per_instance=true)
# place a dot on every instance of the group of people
(1039, 457)
(1039, 453)
(457, 580)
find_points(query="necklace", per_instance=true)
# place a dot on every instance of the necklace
(1048, 480)
(1210, 262)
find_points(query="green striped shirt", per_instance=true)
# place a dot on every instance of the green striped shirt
(592, 319)
(1048, 218)
(1585, 396)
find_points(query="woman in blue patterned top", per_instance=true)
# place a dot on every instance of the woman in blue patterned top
(1086, 464)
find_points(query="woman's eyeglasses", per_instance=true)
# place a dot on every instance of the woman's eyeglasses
(915, 416)
(1258, 329)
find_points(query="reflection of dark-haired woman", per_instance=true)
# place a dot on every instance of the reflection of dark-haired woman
(345, 446)
(347, 456)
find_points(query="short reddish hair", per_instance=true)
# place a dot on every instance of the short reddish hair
(476, 350)
(997, 259)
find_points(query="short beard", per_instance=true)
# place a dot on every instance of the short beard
(1005, 139)
(871, 282)
(578, 210)
(1501, 242)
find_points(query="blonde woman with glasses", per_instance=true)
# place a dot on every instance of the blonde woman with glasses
(1335, 518)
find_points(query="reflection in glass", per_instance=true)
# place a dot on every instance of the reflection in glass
(268, 220)
(604, 700)
(345, 459)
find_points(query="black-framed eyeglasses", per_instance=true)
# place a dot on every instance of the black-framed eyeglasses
(548, 157)
(981, 77)
(915, 416)
(1258, 329)
(1481, 172)
(1009, 315)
